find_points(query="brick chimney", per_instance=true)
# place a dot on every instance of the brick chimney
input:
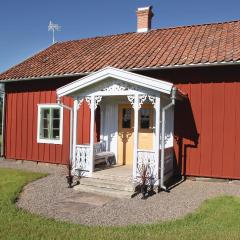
(144, 19)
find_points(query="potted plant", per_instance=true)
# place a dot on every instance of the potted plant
(144, 180)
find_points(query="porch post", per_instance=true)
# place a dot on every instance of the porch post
(157, 135)
(74, 139)
(91, 160)
(135, 149)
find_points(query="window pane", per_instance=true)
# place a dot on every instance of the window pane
(56, 123)
(55, 134)
(45, 113)
(56, 113)
(45, 123)
(126, 118)
(45, 133)
(145, 118)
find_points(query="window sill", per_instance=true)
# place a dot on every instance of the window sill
(49, 141)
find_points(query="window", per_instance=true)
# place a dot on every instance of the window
(145, 114)
(126, 118)
(50, 124)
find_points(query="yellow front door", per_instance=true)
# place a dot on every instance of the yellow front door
(125, 134)
(126, 129)
(145, 127)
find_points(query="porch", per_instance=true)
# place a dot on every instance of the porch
(128, 135)
(117, 137)
(115, 181)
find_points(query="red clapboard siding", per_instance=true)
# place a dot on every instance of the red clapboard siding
(229, 130)
(30, 119)
(80, 123)
(41, 147)
(24, 117)
(217, 128)
(86, 123)
(21, 127)
(216, 113)
(196, 105)
(9, 125)
(13, 126)
(187, 142)
(237, 140)
(206, 130)
(36, 101)
(19, 115)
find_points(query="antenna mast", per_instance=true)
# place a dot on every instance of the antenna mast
(53, 27)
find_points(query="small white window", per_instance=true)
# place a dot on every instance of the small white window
(50, 119)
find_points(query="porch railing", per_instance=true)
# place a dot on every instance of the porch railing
(147, 158)
(82, 159)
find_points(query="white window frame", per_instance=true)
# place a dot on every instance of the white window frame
(50, 141)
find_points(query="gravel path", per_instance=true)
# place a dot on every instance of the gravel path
(51, 197)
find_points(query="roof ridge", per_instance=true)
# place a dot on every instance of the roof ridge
(197, 25)
(152, 30)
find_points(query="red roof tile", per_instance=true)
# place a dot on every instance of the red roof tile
(197, 44)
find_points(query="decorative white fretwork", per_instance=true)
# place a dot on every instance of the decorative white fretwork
(142, 99)
(115, 87)
(97, 100)
(82, 157)
(131, 99)
(80, 101)
(152, 99)
(88, 100)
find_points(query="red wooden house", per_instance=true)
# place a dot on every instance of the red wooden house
(121, 91)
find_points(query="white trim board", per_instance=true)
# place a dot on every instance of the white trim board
(49, 141)
(129, 77)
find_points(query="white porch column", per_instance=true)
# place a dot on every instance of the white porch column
(91, 161)
(157, 134)
(74, 139)
(135, 145)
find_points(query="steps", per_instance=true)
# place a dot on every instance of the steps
(107, 185)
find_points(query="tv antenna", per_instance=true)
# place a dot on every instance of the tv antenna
(53, 27)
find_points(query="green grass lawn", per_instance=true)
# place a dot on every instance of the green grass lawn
(217, 218)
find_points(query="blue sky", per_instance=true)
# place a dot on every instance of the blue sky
(23, 24)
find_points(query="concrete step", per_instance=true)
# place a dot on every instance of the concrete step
(103, 191)
(117, 184)
(125, 179)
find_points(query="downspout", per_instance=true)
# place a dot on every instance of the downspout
(70, 140)
(173, 98)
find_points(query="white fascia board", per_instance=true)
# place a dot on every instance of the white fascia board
(133, 78)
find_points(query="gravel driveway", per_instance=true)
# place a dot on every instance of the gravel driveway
(50, 197)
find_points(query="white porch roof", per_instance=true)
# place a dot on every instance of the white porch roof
(115, 73)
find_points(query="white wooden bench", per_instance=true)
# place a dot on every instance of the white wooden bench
(107, 157)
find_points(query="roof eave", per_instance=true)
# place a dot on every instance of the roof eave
(186, 66)
(129, 69)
